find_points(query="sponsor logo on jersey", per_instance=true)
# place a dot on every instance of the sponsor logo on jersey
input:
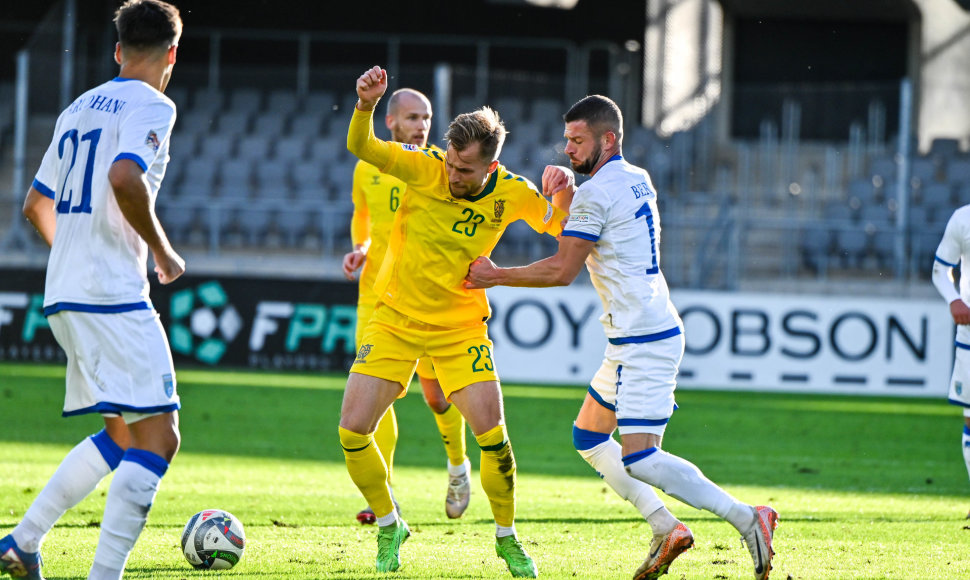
(579, 218)
(152, 140)
(409, 147)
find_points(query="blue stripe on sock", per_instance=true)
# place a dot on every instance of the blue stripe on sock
(634, 457)
(110, 450)
(583, 439)
(150, 461)
(966, 430)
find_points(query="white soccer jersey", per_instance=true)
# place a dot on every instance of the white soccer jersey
(954, 251)
(617, 209)
(98, 263)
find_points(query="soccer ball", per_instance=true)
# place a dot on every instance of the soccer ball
(213, 539)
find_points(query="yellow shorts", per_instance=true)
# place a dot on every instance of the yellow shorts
(392, 343)
(365, 309)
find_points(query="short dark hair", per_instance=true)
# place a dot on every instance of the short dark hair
(600, 113)
(483, 127)
(148, 24)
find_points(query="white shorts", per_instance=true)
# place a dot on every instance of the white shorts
(637, 381)
(117, 364)
(960, 380)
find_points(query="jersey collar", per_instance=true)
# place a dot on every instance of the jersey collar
(489, 187)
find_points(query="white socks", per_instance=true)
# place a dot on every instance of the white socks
(606, 459)
(129, 500)
(502, 531)
(78, 474)
(966, 448)
(681, 479)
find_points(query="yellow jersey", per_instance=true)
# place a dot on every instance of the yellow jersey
(434, 236)
(376, 197)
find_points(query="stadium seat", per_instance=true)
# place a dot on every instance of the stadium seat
(270, 124)
(199, 171)
(236, 173)
(254, 148)
(308, 124)
(877, 215)
(922, 171)
(319, 102)
(234, 123)
(308, 174)
(936, 195)
(884, 167)
(196, 122)
(816, 245)
(884, 245)
(206, 100)
(273, 174)
(255, 219)
(177, 219)
(958, 171)
(944, 148)
(863, 190)
(838, 211)
(182, 144)
(851, 245)
(290, 148)
(238, 194)
(217, 146)
(332, 149)
(281, 102)
(245, 100)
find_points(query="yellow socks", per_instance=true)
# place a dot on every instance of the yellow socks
(386, 438)
(367, 469)
(452, 427)
(498, 474)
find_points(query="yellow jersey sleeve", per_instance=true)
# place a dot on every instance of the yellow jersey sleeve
(360, 222)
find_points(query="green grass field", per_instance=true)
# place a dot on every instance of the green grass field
(866, 487)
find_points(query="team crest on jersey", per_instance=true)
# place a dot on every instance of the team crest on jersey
(152, 140)
(499, 208)
(958, 387)
(168, 384)
(363, 352)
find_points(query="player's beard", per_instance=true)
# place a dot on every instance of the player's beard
(586, 166)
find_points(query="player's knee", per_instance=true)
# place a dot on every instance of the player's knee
(584, 440)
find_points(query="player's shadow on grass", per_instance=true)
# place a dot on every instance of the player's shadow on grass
(748, 439)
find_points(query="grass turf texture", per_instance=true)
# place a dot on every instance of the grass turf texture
(866, 487)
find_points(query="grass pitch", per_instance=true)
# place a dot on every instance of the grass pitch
(866, 487)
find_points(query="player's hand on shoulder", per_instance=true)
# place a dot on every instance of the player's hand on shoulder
(371, 86)
(556, 178)
(481, 274)
(169, 266)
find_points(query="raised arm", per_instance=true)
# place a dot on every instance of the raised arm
(361, 140)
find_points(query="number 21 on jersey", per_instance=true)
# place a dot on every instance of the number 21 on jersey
(66, 196)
